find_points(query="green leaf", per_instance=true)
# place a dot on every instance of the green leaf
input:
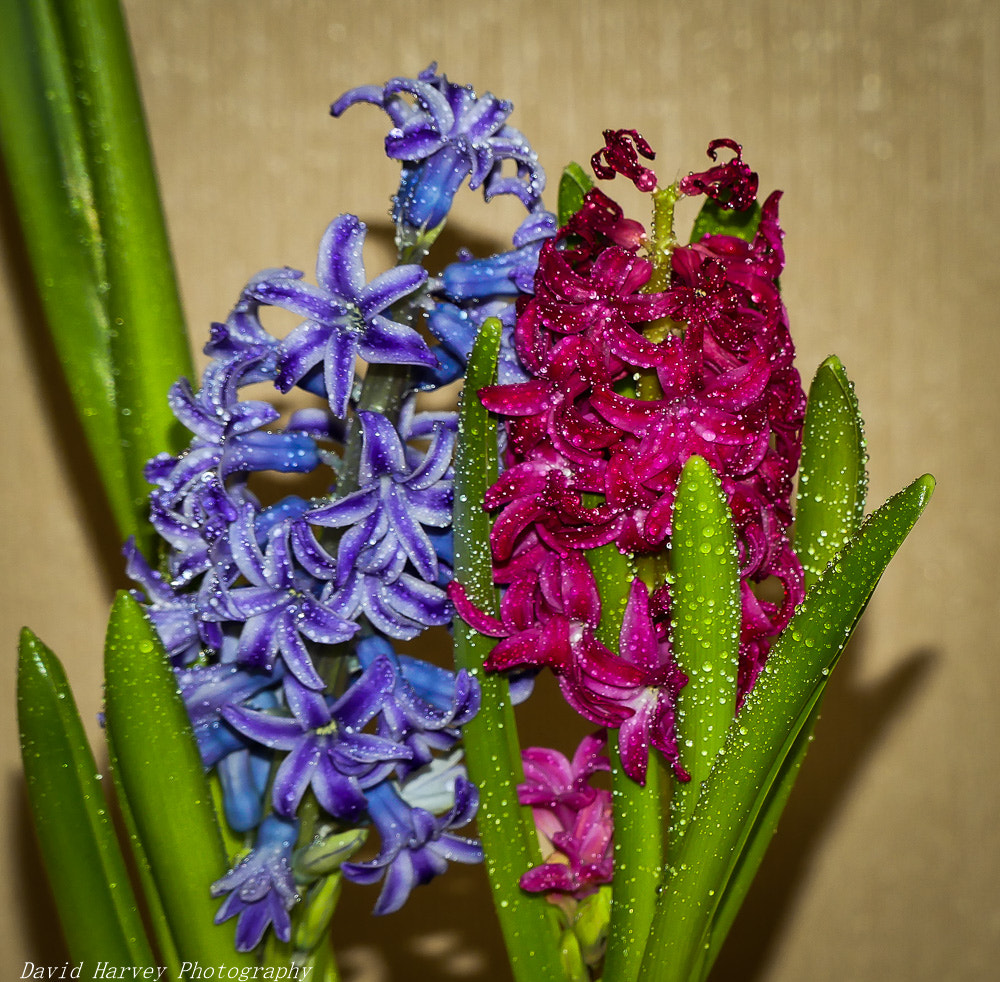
(155, 914)
(706, 615)
(832, 477)
(75, 148)
(713, 219)
(492, 751)
(84, 862)
(763, 830)
(42, 143)
(639, 852)
(762, 739)
(830, 508)
(573, 186)
(161, 774)
(148, 338)
(638, 810)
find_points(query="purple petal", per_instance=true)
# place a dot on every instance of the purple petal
(294, 776)
(338, 369)
(277, 732)
(389, 343)
(388, 288)
(382, 449)
(365, 697)
(411, 534)
(339, 266)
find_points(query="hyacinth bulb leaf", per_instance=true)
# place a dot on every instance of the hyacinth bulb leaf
(573, 185)
(160, 773)
(830, 508)
(713, 219)
(759, 839)
(492, 751)
(149, 346)
(763, 739)
(833, 479)
(42, 141)
(82, 857)
(706, 614)
(75, 144)
(156, 915)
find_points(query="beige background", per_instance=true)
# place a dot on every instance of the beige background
(880, 121)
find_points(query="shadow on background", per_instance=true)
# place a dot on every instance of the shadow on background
(854, 720)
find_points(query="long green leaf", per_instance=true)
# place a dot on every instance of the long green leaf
(160, 770)
(492, 752)
(638, 810)
(706, 614)
(763, 736)
(156, 916)
(759, 839)
(832, 477)
(84, 862)
(639, 853)
(42, 142)
(75, 147)
(832, 486)
(148, 339)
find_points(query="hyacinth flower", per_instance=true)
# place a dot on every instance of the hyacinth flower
(344, 315)
(573, 819)
(260, 720)
(660, 411)
(260, 891)
(445, 136)
(287, 608)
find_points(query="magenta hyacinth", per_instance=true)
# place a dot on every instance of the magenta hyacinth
(573, 818)
(594, 459)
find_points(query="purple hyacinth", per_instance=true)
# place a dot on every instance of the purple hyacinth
(416, 844)
(327, 748)
(345, 315)
(261, 889)
(507, 274)
(385, 536)
(428, 707)
(281, 607)
(445, 135)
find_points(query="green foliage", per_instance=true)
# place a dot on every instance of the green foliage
(713, 219)
(764, 740)
(96, 905)
(492, 750)
(833, 481)
(76, 152)
(573, 185)
(160, 774)
(706, 614)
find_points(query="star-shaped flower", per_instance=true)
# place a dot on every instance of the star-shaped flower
(345, 315)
